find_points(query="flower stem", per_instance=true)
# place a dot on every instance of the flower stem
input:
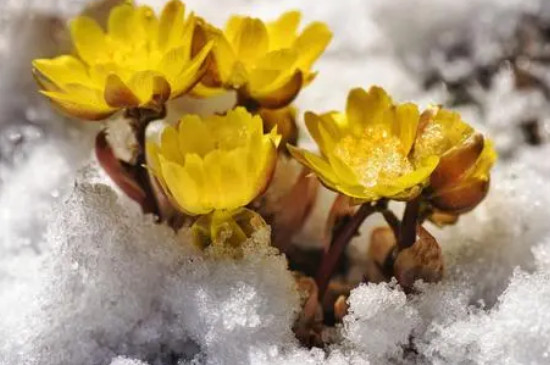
(392, 220)
(140, 120)
(407, 232)
(339, 243)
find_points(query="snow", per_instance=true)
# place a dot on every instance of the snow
(85, 278)
(120, 284)
(379, 322)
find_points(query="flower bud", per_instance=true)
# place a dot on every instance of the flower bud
(226, 228)
(382, 243)
(461, 180)
(423, 260)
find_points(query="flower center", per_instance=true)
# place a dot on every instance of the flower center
(375, 157)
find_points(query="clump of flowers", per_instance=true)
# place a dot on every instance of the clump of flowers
(380, 151)
(208, 173)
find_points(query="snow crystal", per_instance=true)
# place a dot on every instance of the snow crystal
(379, 320)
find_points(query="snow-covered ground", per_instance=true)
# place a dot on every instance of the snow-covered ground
(86, 279)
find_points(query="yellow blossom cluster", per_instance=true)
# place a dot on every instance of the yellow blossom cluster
(140, 61)
(214, 166)
(378, 149)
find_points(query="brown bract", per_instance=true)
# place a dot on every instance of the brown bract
(451, 189)
(421, 261)
(308, 325)
(288, 201)
(382, 244)
(122, 174)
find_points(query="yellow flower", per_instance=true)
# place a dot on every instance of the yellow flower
(365, 153)
(267, 63)
(461, 179)
(141, 61)
(214, 163)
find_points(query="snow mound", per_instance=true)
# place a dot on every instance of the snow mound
(116, 283)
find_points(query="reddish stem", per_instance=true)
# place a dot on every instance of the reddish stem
(339, 243)
(407, 233)
(392, 221)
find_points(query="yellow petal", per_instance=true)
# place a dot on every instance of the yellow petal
(233, 27)
(259, 175)
(342, 170)
(194, 166)
(117, 94)
(329, 177)
(239, 120)
(282, 32)
(194, 136)
(319, 165)
(324, 131)
(311, 43)
(406, 124)
(62, 70)
(239, 190)
(438, 131)
(185, 39)
(234, 129)
(122, 24)
(169, 145)
(80, 102)
(338, 120)
(215, 185)
(455, 128)
(173, 62)
(419, 176)
(485, 162)
(183, 188)
(203, 91)
(366, 109)
(192, 73)
(150, 87)
(272, 71)
(171, 24)
(152, 151)
(88, 38)
(148, 23)
(224, 57)
(250, 40)
(358, 192)
(280, 97)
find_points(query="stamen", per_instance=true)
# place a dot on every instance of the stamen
(376, 155)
